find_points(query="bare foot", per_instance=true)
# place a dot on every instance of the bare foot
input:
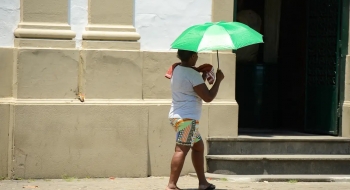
(172, 188)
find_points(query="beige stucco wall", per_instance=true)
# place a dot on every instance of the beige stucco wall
(115, 13)
(47, 73)
(112, 74)
(44, 11)
(110, 20)
(222, 10)
(223, 119)
(346, 119)
(6, 72)
(4, 138)
(346, 106)
(80, 140)
(44, 19)
(98, 140)
(345, 128)
(120, 130)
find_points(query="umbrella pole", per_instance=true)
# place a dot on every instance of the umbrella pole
(217, 55)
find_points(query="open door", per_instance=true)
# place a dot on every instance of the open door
(323, 60)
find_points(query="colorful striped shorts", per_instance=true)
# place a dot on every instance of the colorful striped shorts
(186, 131)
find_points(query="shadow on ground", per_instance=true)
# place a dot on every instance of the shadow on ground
(197, 189)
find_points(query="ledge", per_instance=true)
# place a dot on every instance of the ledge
(110, 28)
(43, 25)
(43, 43)
(111, 36)
(279, 157)
(346, 103)
(286, 138)
(110, 45)
(44, 33)
(101, 101)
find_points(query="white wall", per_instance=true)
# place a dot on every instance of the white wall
(9, 19)
(158, 22)
(78, 18)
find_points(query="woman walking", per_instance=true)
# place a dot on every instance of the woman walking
(188, 90)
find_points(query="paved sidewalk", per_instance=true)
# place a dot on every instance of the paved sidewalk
(159, 183)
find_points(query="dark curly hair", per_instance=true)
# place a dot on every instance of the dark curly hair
(184, 55)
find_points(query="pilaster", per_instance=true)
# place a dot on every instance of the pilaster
(222, 10)
(44, 19)
(110, 23)
(345, 131)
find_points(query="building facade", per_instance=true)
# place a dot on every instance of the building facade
(83, 92)
(82, 95)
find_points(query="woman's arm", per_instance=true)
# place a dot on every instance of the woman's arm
(206, 94)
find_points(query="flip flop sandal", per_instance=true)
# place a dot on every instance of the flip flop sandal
(211, 187)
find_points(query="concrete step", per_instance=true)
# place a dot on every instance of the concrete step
(282, 145)
(276, 178)
(279, 164)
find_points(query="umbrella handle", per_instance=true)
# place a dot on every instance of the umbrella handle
(217, 55)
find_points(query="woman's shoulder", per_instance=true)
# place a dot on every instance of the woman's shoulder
(185, 71)
(186, 74)
(191, 70)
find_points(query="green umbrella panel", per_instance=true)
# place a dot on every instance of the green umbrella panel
(217, 36)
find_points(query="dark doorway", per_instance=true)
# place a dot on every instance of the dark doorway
(309, 88)
(292, 65)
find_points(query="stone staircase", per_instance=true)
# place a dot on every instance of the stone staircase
(279, 155)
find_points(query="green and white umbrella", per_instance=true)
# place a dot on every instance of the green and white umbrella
(217, 36)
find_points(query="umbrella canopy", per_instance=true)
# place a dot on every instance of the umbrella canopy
(217, 36)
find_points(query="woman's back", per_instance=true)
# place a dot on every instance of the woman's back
(185, 102)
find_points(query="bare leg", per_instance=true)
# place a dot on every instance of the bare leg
(177, 164)
(198, 163)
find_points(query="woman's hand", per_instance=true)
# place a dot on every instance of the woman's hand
(204, 76)
(219, 75)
